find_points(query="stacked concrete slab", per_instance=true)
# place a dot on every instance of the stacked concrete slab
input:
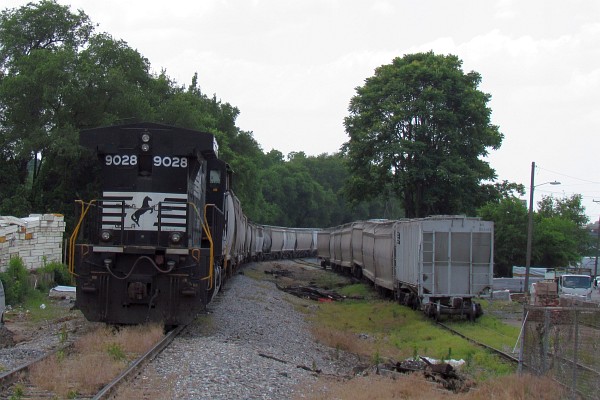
(35, 239)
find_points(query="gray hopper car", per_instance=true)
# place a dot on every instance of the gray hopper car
(439, 264)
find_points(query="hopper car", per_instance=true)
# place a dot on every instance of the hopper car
(439, 264)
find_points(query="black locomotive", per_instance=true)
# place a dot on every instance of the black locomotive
(150, 248)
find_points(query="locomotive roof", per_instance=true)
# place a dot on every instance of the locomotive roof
(109, 139)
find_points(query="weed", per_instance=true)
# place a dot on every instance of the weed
(376, 361)
(18, 392)
(63, 334)
(449, 355)
(60, 355)
(116, 352)
(15, 281)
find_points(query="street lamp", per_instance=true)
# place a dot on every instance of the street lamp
(530, 227)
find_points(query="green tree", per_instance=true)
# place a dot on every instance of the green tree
(38, 47)
(510, 233)
(420, 127)
(572, 211)
(556, 242)
(558, 239)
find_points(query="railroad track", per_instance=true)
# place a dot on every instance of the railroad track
(110, 390)
(515, 360)
(15, 383)
(500, 353)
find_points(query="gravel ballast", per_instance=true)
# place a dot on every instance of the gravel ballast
(254, 343)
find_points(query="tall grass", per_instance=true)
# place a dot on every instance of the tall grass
(397, 332)
(416, 387)
(97, 358)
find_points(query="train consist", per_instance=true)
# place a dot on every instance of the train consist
(167, 230)
(438, 264)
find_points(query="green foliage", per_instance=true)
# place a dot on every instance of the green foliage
(116, 352)
(18, 392)
(559, 239)
(15, 281)
(510, 233)
(556, 242)
(60, 271)
(420, 128)
(414, 335)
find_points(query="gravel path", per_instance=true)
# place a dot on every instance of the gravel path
(253, 344)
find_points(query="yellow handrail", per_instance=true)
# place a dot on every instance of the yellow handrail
(210, 240)
(73, 237)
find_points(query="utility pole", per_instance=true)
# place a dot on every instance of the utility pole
(597, 243)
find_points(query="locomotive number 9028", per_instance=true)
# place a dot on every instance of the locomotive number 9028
(131, 160)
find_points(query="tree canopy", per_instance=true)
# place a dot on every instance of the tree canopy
(419, 127)
(418, 131)
(559, 237)
(58, 76)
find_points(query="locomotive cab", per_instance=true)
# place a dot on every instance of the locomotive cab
(145, 249)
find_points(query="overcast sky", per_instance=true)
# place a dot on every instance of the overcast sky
(291, 67)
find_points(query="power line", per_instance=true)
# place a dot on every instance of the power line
(569, 176)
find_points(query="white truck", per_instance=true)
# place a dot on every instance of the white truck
(575, 285)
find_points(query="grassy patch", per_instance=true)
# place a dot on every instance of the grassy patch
(489, 330)
(38, 307)
(358, 290)
(97, 358)
(416, 387)
(388, 330)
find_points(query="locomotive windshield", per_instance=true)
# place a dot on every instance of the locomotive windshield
(215, 176)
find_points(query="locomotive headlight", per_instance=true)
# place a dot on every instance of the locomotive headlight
(106, 236)
(175, 237)
(145, 147)
(145, 138)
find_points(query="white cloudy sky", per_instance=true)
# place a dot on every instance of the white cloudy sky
(291, 68)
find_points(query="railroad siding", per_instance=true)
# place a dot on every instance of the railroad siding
(35, 238)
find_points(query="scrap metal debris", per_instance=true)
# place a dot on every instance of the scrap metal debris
(312, 293)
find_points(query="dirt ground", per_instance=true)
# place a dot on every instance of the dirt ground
(20, 326)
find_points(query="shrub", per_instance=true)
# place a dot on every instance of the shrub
(60, 270)
(15, 281)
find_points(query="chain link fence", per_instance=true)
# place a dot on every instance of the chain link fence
(564, 344)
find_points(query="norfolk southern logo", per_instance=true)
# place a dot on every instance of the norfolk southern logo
(135, 217)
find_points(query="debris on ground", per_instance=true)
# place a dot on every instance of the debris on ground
(442, 373)
(312, 293)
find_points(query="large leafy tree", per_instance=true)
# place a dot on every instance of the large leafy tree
(38, 47)
(559, 237)
(510, 232)
(419, 127)
(562, 237)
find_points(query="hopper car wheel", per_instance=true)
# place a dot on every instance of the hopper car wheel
(472, 313)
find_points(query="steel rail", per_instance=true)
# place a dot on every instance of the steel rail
(492, 349)
(111, 388)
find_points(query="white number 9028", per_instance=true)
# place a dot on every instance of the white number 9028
(173, 162)
(117, 159)
(131, 160)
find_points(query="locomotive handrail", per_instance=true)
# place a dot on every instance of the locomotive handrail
(73, 237)
(210, 240)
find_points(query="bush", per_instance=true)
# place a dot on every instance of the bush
(15, 281)
(61, 272)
